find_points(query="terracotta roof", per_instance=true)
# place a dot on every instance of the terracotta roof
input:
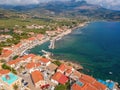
(44, 60)
(6, 52)
(3, 71)
(18, 45)
(61, 78)
(14, 61)
(69, 71)
(88, 78)
(36, 76)
(99, 85)
(86, 86)
(39, 36)
(89, 83)
(28, 56)
(62, 67)
(68, 67)
(76, 87)
(90, 87)
(32, 65)
(31, 38)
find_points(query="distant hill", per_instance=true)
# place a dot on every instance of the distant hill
(67, 9)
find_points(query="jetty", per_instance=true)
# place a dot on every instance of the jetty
(58, 37)
(52, 44)
(46, 54)
(23, 51)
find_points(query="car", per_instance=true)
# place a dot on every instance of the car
(26, 83)
(24, 72)
(22, 80)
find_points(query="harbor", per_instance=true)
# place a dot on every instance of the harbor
(58, 37)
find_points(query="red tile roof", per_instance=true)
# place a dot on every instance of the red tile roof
(62, 67)
(39, 36)
(37, 76)
(6, 52)
(99, 85)
(32, 65)
(44, 60)
(69, 71)
(89, 83)
(87, 78)
(84, 87)
(14, 61)
(28, 56)
(18, 45)
(3, 71)
(61, 78)
(31, 38)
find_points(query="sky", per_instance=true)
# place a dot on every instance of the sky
(110, 4)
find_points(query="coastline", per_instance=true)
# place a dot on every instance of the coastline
(75, 65)
(66, 32)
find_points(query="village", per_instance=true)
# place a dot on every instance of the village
(34, 72)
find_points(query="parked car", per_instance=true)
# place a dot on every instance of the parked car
(26, 83)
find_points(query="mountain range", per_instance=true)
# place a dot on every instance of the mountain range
(74, 9)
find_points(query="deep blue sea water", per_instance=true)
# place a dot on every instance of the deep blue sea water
(96, 47)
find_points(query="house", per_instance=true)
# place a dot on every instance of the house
(39, 36)
(87, 83)
(5, 37)
(63, 68)
(36, 58)
(8, 80)
(51, 33)
(31, 39)
(4, 71)
(34, 26)
(58, 77)
(75, 75)
(14, 63)
(51, 68)
(68, 72)
(81, 86)
(6, 54)
(37, 78)
(31, 66)
(45, 61)
(28, 58)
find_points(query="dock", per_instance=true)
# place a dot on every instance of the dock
(58, 37)
(52, 44)
(46, 54)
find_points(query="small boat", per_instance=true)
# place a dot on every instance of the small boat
(59, 38)
(110, 73)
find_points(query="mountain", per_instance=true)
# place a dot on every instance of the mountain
(74, 9)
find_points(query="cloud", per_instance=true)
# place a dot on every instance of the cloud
(18, 2)
(110, 4)
(25, 2)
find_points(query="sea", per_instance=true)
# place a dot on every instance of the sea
(96, 47)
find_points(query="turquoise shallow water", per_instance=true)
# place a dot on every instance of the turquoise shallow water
(96, 47)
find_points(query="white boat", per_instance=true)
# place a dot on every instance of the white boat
(110, 73)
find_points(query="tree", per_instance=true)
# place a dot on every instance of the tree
(15, 57)
(4, 66)
(15, 86)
